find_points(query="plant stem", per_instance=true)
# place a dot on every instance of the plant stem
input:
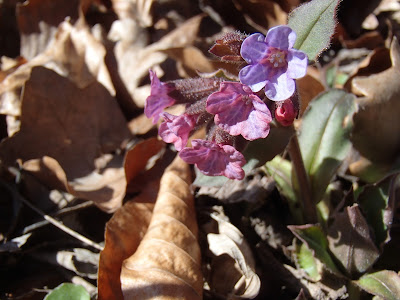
(309, 208)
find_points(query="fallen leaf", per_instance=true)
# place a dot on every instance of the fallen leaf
(74, 128)
(377, 121)
(74, 53)
(233, 268)
(123, 235)
(38, 21)
(166, 264)
(134, 61)
(350, 241)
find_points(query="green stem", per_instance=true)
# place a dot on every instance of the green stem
(309, 209)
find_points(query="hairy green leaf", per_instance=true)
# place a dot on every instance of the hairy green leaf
(385, 284)
(314, 23)
(324, 137)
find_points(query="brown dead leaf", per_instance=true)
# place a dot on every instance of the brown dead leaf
(137, 158)
(166, 264)
(350, 241)
(377, 121)
(123, 234)
(38, 21)
(234, 254)
(74, 53)
(138, 10)
(262, 14)
(309, 87)
(135, 60)
(73, 127)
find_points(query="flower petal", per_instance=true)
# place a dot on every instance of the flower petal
(281, 89)
(281, 37)
(297, 64)
(215, 160)
(254, 48)
(254, 76)
(176, 129)
(158, 99)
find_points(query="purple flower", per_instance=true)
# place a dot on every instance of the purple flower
(158, 99)
(214, 159)
(176, 129)
(238, 111)
(273, 63)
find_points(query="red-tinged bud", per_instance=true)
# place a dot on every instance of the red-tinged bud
(285, 112)
(228, 46)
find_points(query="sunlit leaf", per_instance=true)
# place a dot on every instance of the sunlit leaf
(324, 137)
(314, 238)
(308, 262)
(67, 291)
(385, 284)
(281, 171)
(166, 264)
(314, 23)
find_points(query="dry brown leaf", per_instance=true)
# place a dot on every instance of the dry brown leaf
(74, 53)
(74, 127)
(138, 10)
(262, 14)
(38, 21)
(309, 87)
(123, 234)
(137, 158)
(377, 122)
(166, 264)
(234, 254)
(134, 61)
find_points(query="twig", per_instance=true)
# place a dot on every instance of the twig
(309, 208)
(59, 213)
(61, 226)
(53, 221)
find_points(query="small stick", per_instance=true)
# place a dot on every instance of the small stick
(309, 208)
(61, 226)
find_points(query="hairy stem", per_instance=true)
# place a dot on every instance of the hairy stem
(309, 209)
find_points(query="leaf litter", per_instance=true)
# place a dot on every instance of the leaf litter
(72, 92)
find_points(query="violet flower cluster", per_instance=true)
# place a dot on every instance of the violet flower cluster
(233, 112)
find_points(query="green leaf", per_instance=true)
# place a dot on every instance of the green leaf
(385, 284)
(375, 203)
(68, 291)
(307, 262)
(324, 138)
(314, 238)
(280, 170)
(314, 23)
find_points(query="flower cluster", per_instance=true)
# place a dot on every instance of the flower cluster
(234, 112)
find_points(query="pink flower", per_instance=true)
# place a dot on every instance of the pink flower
(214, 159)
(176, 129)
(285, 113)
(238, 111)
(158, 99)
(273, 63)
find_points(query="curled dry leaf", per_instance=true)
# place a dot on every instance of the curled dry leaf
(166, 264)
(38, 21)
(123, 234)
(234, 254)
(134, 61)
(377, 120)
(74, 53)
(74, 127)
